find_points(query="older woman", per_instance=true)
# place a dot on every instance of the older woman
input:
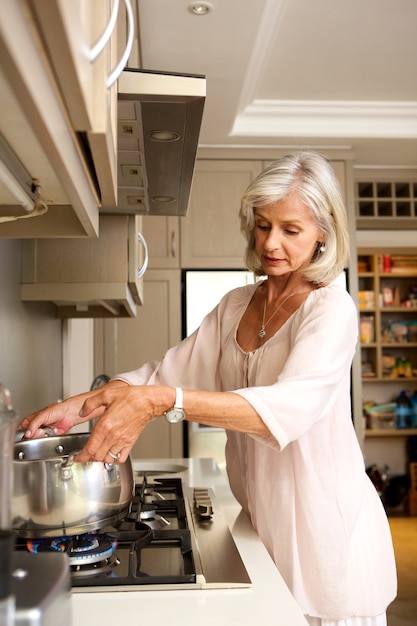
(271, 364)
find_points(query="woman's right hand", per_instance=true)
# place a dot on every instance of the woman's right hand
(60, 416)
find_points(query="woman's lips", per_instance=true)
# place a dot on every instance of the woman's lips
(271, 260)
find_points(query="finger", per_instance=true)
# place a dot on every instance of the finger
(40, 433)
(106, 441)
(114, 455)
(34, 429)
(112, 451)
(94, 404)
(40, 419)
(99, 443)
(25, 423)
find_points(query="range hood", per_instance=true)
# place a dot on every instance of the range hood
(159, 120)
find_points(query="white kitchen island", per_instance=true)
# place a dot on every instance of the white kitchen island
(267, 601)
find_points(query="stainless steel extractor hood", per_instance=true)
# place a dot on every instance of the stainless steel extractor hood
(159, 119)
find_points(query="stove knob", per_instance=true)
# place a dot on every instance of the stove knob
(202, 503)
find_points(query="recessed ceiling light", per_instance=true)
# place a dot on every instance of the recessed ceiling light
(200, 8)
(165, 199)
(163, 135)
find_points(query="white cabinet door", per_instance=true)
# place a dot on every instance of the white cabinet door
(210, 234)
(163, 239)
(128, 343)
(36, 126)
(70, 31)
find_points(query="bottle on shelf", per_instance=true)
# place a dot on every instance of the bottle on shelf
(413, 401)
(403, 410)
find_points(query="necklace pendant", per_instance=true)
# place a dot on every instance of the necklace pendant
(262, 333)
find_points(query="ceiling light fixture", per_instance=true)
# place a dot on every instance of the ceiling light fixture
(164, 199)
(200, 8)
(163, 135)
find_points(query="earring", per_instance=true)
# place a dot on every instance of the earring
(323, 247)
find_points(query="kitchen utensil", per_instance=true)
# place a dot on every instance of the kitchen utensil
(7, 600)
(54, 495)
(8, 423)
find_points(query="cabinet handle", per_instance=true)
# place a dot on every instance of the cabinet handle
(173, 247)
(142, 270)
(129, 44)
(99, 46)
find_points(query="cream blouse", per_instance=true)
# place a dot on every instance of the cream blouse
(305, 487)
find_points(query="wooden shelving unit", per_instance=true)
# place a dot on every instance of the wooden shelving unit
(388, 317)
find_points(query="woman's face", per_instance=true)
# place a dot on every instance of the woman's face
(286, 236)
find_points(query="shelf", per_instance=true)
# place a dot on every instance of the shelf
(397, 309)
(409, 344)
(388, 309)
(390, 432)
(396, 274)
(384, 203)
(388, 379)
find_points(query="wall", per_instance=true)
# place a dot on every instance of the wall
(30, 339)
(78, 356)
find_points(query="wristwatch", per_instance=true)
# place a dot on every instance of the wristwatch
(176, 414)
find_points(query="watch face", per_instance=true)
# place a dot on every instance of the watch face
(175, 415)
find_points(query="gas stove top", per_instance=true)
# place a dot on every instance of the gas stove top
(171, 538)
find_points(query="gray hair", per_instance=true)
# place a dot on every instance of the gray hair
(311, 178)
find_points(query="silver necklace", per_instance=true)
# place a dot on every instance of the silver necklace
(262, 332)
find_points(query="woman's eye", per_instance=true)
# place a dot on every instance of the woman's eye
(291, 232)
(262, 227)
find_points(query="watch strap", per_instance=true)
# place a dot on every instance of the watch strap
(179, 399)
(176, 414)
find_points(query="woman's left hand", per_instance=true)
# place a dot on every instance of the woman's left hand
(127, 410)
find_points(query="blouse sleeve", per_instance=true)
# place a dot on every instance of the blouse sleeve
(316, 373)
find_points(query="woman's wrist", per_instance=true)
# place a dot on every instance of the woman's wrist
(163, 399)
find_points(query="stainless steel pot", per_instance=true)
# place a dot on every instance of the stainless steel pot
(52, 495)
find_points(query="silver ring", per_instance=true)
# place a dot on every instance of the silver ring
(114, 456)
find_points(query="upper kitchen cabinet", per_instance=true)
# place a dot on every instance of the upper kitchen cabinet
(58, 117)
(89, 277)
(81, 41)
(210, 235)
(81, 133)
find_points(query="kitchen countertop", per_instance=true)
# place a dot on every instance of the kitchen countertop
(267, 601)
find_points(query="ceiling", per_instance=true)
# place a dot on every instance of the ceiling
(336, 74)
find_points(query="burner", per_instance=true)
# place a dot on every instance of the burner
(81, 550)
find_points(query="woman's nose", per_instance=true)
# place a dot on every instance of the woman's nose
(272, 242)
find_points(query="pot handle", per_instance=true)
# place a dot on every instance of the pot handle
(20, 434)
(66, 467)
